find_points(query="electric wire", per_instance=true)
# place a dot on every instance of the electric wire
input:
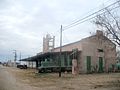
(88, 19)
(83, 19)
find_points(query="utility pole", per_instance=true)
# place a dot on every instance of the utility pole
(15, 56)
(60, 51)
(20, 58)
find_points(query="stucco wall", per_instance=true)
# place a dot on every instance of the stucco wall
(89, 47)
(69, 47)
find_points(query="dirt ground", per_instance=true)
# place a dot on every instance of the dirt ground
(50, 81)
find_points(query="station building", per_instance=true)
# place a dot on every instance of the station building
(96, 53)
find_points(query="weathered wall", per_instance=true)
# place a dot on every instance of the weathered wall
(89, 47)
(69, 47)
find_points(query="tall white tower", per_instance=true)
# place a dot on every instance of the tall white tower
(48, 43)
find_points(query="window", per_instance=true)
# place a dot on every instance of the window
(100, 50)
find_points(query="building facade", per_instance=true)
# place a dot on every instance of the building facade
(92, 54)
(97, 53)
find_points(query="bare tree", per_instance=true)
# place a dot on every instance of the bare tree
(109, 21)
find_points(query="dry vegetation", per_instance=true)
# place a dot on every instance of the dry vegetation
(51, 81)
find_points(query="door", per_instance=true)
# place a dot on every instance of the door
(100, 64)
(88, 64)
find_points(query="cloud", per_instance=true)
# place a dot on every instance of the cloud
(23, 23)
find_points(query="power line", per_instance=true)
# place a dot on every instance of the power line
(88, 19)
(93, 13)
(92, 9)
(83, 19)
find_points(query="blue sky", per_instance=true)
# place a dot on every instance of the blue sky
(24, 23)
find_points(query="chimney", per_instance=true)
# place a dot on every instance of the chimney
(99, 33)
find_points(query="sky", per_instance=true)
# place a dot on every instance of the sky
(24, 23)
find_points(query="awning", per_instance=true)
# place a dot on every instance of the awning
(43, 55)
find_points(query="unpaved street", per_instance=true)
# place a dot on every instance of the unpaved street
(9, 82)
(18, 79)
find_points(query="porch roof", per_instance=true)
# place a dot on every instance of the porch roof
(43, 55)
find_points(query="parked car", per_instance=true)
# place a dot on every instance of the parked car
(22, 66)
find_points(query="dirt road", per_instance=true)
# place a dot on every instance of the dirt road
(17, 79)
(9, 82)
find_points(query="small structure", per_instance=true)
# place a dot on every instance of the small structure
(74, 67)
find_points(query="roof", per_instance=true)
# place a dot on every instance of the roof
(105, 38)
(38, 57)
